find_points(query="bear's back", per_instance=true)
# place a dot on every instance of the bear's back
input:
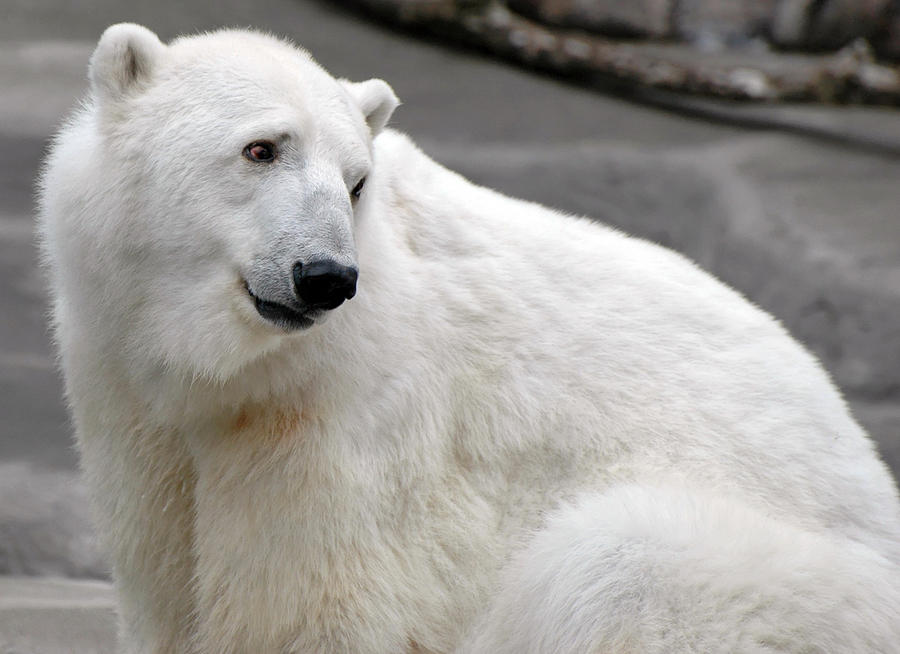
(673, 372)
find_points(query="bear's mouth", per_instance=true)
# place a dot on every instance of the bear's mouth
(281, 315)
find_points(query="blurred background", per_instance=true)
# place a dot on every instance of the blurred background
(759, 137)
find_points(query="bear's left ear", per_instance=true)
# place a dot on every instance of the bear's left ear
(376, 99)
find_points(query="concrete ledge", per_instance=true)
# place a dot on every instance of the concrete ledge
(56, 616)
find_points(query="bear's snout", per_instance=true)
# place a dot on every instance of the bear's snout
(324, 283)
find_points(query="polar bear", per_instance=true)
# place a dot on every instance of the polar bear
(332, 397)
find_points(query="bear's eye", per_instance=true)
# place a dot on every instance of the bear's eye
(261, 151)
(358, 188)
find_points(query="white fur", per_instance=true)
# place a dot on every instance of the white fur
(382, 481)
(654, 570)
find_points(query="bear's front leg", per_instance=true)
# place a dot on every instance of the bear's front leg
(142, 485)
(293, 556)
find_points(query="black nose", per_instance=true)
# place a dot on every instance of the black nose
(324, 284)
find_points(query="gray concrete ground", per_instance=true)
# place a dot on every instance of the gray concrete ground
(808, 228)
(56, 616)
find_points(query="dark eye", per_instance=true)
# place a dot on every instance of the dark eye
(358, 188)
(261, 151)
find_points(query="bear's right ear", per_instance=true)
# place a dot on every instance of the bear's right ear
(124, 59)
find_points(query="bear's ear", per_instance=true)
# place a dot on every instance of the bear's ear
(376, 99)
(124, 59)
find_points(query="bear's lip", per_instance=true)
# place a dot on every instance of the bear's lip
(289, 319)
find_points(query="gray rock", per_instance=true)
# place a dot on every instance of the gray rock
(45, 526)
(541, 37)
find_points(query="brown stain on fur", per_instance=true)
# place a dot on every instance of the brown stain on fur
(412, 647)
(242, 421)
(272, 423)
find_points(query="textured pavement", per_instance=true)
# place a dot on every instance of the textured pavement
(807, 227)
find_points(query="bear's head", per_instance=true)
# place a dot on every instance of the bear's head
(210, 190)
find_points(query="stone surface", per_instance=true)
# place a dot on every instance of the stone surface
(45, 525)
(796, 206)
(56, 616)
